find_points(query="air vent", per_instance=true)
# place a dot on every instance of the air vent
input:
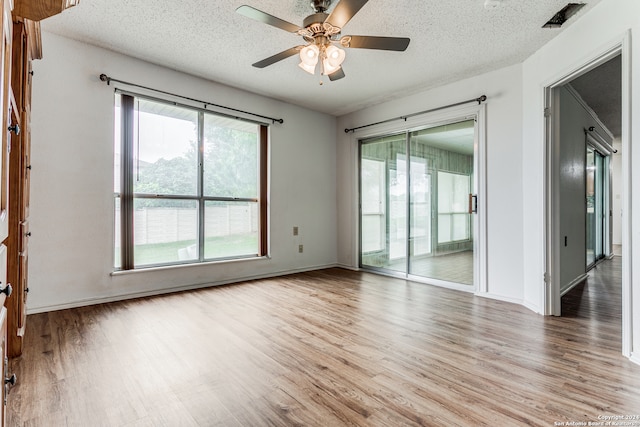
(563, 15)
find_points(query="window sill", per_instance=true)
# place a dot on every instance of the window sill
(190, 265)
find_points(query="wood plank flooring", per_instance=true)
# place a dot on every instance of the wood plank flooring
(326, 348)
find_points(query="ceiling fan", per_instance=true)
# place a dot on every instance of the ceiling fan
(321, 31)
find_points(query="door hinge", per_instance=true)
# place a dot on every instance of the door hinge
(547, 112)
(547, 278)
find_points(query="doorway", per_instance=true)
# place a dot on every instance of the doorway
(418, 204)
(591, 75)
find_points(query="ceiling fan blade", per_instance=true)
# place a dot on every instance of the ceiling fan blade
(344, 11)
(336, 75)
(265, 18)
(372, 42)
(278, 57)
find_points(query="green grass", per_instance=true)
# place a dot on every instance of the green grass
(215, 247)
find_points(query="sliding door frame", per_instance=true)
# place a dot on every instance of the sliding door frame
(435, 119)
(603, 216)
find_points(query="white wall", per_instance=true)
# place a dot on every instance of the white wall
(601, 28)
(504, 178)
(71, 219)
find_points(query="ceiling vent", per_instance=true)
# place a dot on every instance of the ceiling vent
(563, 15)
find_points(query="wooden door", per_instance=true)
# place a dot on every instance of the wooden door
(22, 287)
(25, 166)
(3, 336)
(24, 46)
(5, 362)
(5, 96)
(14, 242)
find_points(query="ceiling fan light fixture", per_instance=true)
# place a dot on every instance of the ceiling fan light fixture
(309, 54)
(332, 59)
(311, 69)
(321, 33)
(309, 58)
(335, 55)
(327, 68)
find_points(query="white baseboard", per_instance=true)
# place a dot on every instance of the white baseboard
(500, 298)
(347, 267)
(123, 297)
(533, 307)
(574, 283)
(635, 358)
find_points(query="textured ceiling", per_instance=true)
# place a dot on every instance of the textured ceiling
(601, 89)
(450, 40)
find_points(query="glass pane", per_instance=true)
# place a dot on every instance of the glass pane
(444, 228)
(231, 229)
(384, 203)
(453, 199)
(373, 232)
(166, 149)
(373, 185)
(461, 191)
(373, 205)
(231, 156)
(460, 227)
(596, 211)
(165, 231)
(398, 209)
(117, 144)
(445, 192)
(591, 206)
(420, 197)
(600, 216)
(442, 160)
(117, 256)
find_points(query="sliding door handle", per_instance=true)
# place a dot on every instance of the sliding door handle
(473, 203)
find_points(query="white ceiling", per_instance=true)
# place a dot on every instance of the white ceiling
(450, 40)
(601, 89)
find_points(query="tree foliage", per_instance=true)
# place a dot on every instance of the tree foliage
(230, 163)
(230, 169)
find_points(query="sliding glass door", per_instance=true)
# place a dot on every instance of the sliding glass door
(383, 220)
(417, 193)
(596, 205)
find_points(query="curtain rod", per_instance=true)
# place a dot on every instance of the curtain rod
(105, 78)
(479, 100)
(593, 131)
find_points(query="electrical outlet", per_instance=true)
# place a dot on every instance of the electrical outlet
(295, 230)
(300, 249)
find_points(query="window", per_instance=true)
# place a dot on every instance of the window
(453, 215)
(190, 186)
(373, 205)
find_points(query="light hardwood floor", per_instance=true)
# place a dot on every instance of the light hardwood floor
(327, 348)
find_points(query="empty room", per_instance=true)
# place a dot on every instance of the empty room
(320, 213)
